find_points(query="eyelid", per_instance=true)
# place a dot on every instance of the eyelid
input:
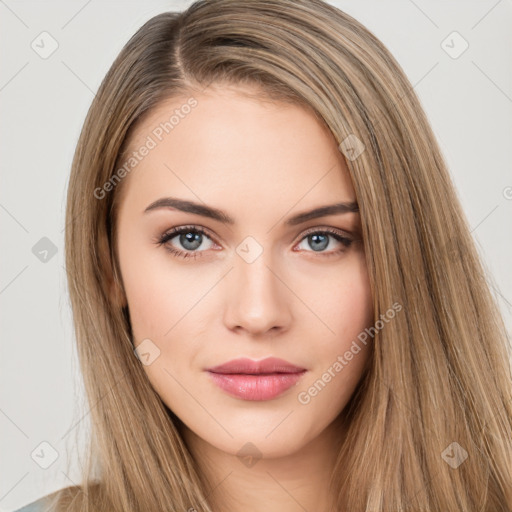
(171, 232)
(343, 237)
(327, 229)
(203, 230)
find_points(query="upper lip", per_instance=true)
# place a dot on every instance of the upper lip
(264, 366)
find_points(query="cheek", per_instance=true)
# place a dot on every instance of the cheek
(345, 307)
(167, 302)
(159, 291)
(343, 303)
(354, 304)
(159, 315)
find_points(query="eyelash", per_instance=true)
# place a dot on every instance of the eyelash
(172, 233)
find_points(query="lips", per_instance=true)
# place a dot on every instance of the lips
(270, 365)
(256, 380)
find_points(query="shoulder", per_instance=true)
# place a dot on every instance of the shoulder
(36, 506)
(47, 503)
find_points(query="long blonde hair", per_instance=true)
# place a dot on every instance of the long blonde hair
(439, 373)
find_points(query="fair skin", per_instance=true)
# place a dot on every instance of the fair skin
(261, 163)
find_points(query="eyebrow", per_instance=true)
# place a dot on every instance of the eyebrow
(219, 215)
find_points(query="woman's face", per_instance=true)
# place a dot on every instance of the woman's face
(272, 281)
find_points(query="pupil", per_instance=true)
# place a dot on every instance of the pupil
(191, 240)
(319, 242)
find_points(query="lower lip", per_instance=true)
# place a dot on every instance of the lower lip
(256, 387)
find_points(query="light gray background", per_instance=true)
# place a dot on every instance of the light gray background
(43, 104)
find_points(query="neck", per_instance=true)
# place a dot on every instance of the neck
(293, 483)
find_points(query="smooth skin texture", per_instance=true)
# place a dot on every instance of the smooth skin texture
(261, 162)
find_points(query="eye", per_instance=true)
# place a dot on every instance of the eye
(187, 241)
(188, 238)
(319, 240)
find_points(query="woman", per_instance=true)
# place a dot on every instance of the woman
(257, 180)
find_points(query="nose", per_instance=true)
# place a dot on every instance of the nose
(258, 300)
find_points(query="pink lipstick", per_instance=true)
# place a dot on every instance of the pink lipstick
(256, 380)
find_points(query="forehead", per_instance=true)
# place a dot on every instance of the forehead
(228, 143)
